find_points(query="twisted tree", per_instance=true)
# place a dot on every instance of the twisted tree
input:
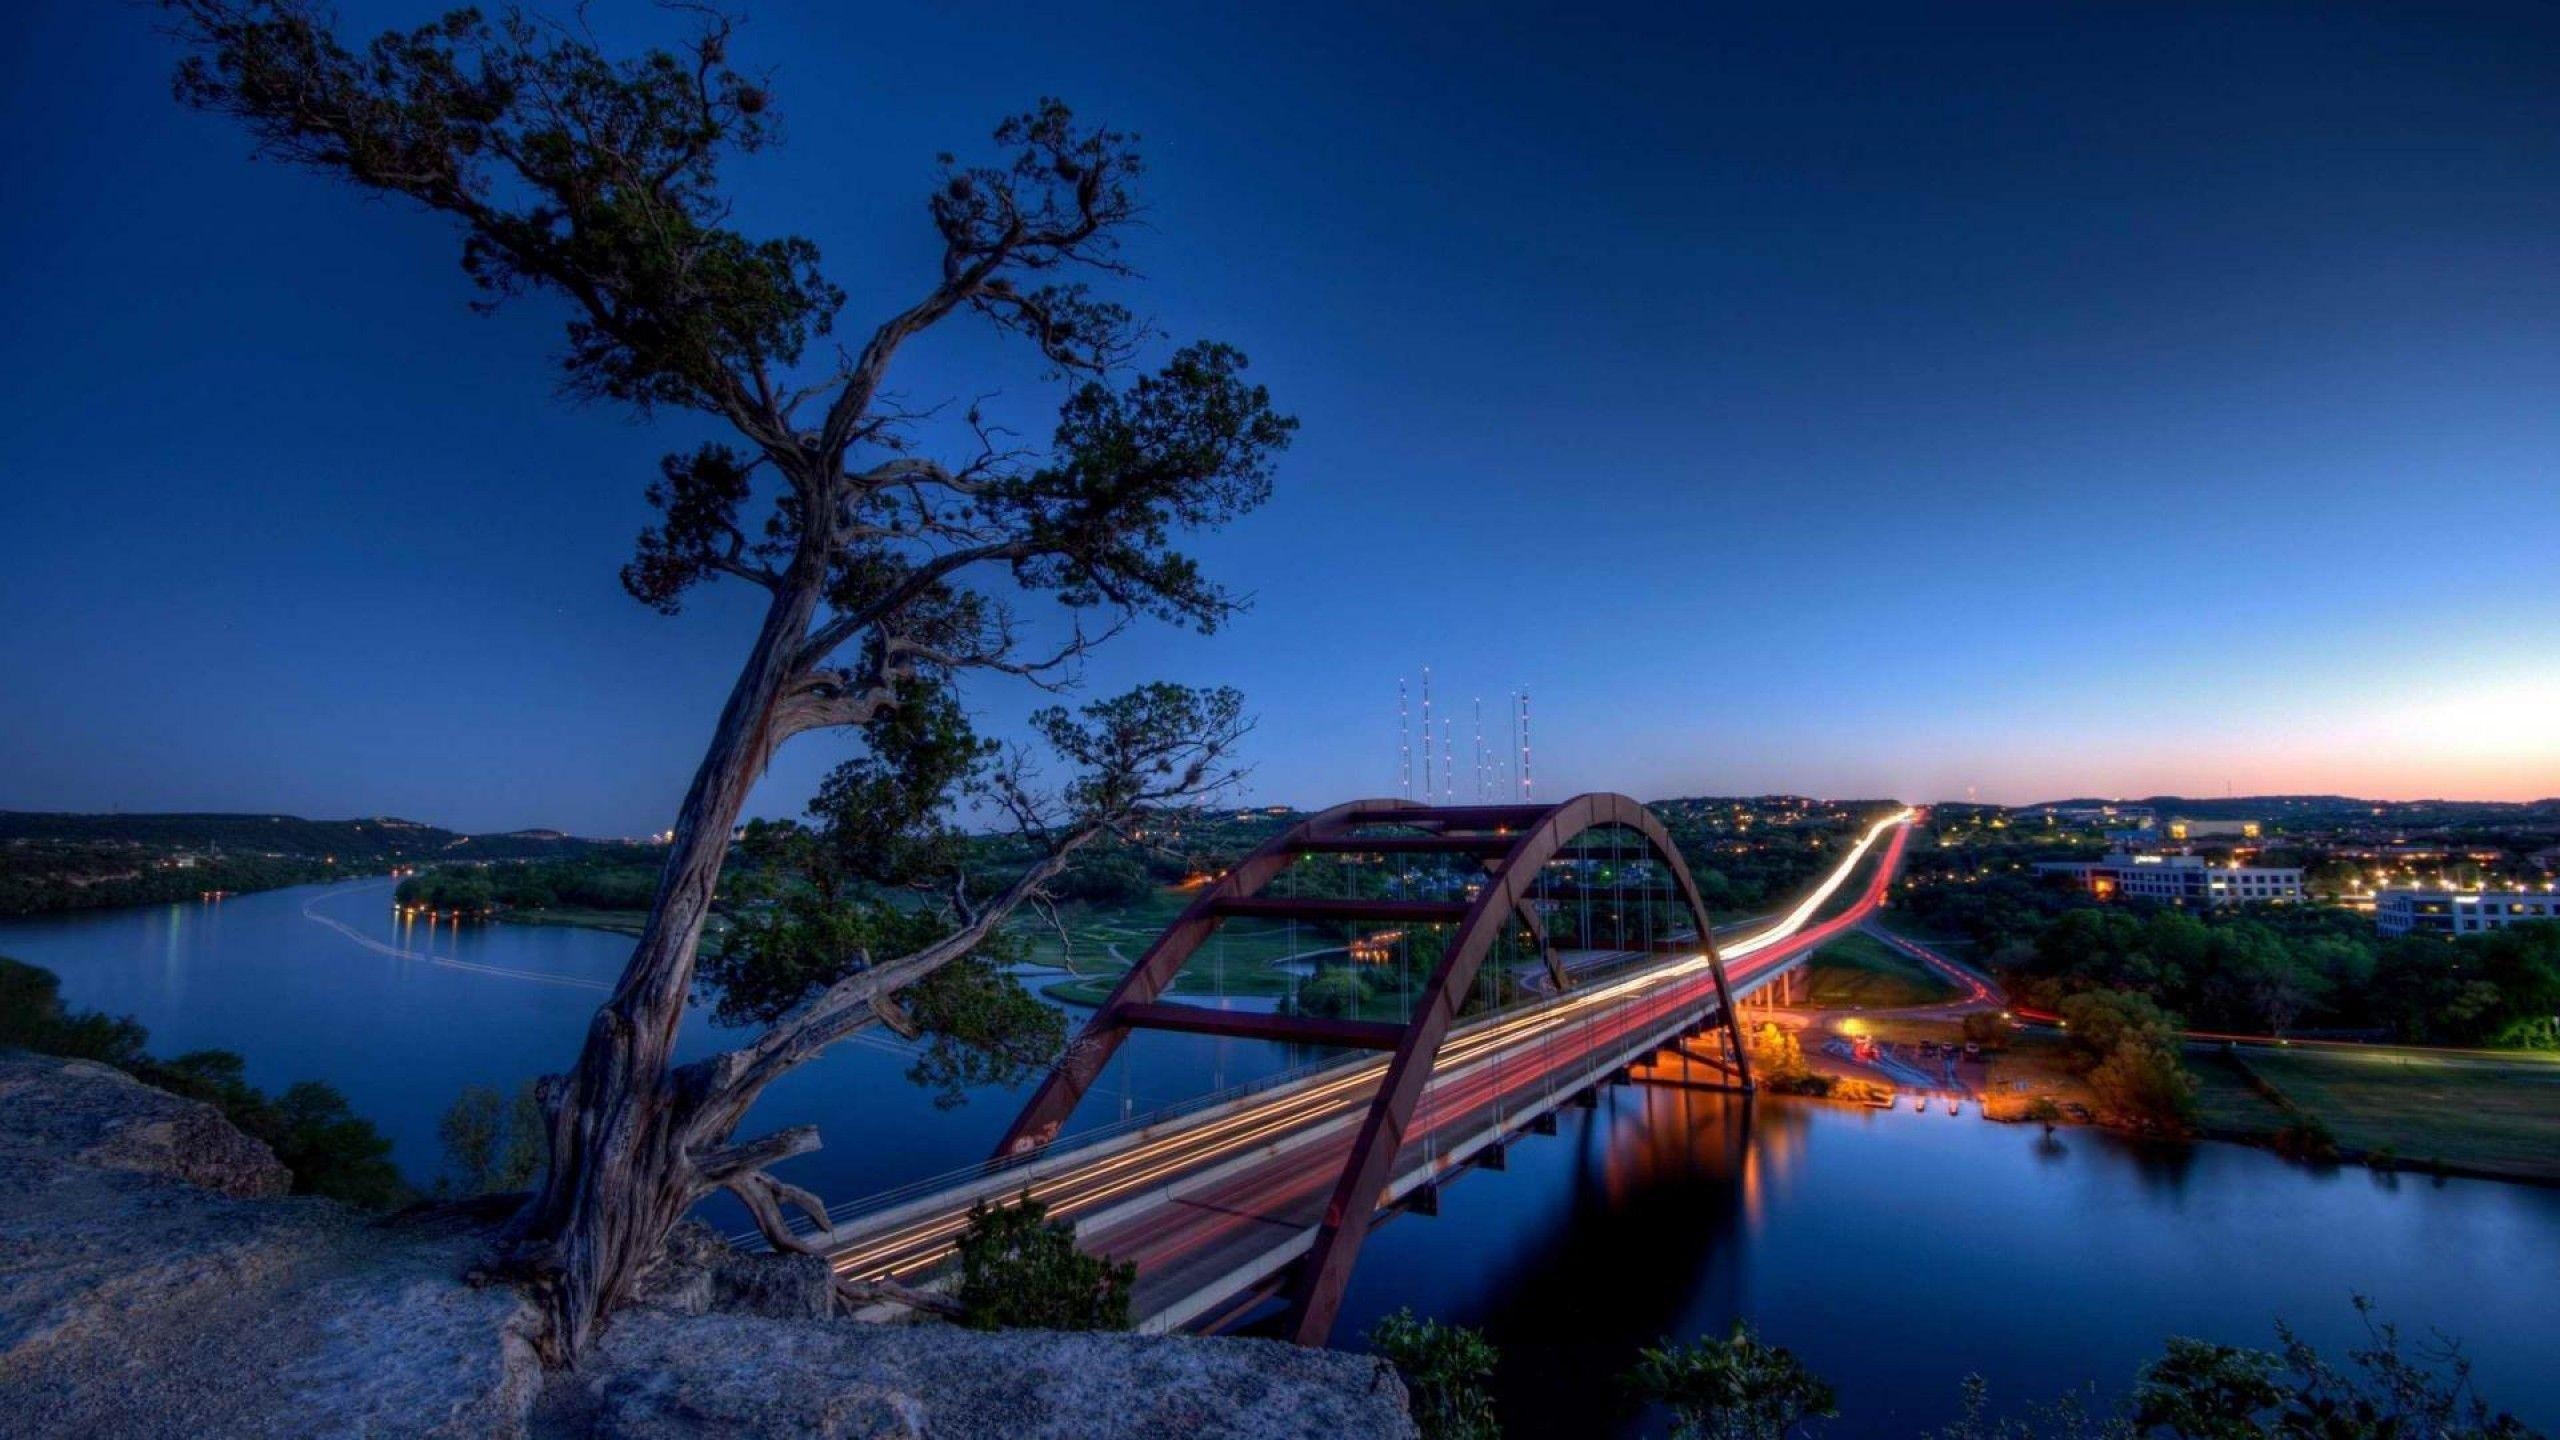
(888, 572)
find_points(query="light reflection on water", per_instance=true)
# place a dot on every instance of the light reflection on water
(1894, 1251)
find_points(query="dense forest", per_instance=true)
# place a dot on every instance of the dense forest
(350, 841)
(2257, 970)
(50, 878)
(52, 862)
(623, 878)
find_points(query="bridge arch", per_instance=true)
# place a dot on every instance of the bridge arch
(1514, 842)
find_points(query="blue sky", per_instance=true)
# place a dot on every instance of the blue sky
(2000, 399)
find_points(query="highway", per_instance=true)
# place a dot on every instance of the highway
(1213, 1206)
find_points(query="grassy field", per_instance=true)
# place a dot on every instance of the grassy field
(2483, 1115)
(1858, 971)
(2227, 1104)
(1100, 944)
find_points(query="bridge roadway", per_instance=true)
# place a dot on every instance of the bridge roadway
(1214, 1206)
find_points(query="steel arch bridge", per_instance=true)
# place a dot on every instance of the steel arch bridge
(1513, 843)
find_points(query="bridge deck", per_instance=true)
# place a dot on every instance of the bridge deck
(1214, 1205)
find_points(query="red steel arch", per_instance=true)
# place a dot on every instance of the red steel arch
(1514, 842)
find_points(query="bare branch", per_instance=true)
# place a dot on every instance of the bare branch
(884, 1291)
(764, 1197)
(720, 1164)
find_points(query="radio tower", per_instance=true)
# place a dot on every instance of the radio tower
(1511, 758)
(1448, 764)
(1427, 791)
(1524, 752)
(1404, 742)
(1481, 796)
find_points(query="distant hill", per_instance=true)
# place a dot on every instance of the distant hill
(382, 838)
(2325, 807)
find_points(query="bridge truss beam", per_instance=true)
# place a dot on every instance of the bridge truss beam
(1514, 843)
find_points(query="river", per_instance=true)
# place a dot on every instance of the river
(1896, 1252)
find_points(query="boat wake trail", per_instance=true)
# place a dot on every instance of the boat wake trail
(447, 961)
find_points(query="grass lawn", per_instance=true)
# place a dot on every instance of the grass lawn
(2226, 1103)
(1102, 943)
(1861, 972)
(2485, 1115)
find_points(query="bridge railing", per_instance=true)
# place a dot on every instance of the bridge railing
(1073, 1144)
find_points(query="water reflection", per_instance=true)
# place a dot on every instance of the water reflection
(1898, 1253)
(1895, 1252)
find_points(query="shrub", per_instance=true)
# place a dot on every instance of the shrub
(1777, 1058)
(493, 1143)
(1445, 1368)
(1738, 1388)
(1988, 1029)
(1860, 1091)
(1336, 991)
(2199, 1390)
(32, 1018)
(2142, 1080)
(1019, 1271)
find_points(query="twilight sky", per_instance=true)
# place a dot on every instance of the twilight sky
(2013, 399)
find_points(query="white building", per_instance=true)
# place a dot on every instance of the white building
(2180, 879)
(2421, 911)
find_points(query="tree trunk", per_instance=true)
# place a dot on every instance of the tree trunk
(620, 1177)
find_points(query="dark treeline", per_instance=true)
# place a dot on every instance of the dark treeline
(1748, 854)
(349, 841)
(49, 879)
(51, 862)
(620, 879)
(329, 1148)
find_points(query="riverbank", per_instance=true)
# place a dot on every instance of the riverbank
(36, 896)
(2389, 1108)
(619, 922)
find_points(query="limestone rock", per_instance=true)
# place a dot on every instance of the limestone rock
(701, 1274)
(79, 1113)
(133, 1302)
(662, 1376)
(136, 1302)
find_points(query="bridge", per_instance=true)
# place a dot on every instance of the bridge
(1267, 1192)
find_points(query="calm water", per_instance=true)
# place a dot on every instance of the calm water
(1895, 1251)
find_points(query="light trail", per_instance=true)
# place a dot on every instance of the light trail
(472, 966)
(1334, 1101)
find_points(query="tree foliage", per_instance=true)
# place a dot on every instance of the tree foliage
(1737, 1388)
(2204, 1390)
(493, 1142)
(599, 183)
(2260, 969)
(1446, 1369)
(2129, 1049)
(1021, 1271)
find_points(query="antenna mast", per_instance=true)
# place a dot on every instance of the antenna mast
(1404, 742)
(1481, 796)
(1524, 749)
(1427, 791)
